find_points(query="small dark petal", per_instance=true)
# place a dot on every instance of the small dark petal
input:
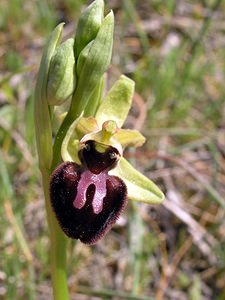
(96, 161)
(83, 223)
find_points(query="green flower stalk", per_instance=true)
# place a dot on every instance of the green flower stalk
(91, 181)
(43, 130)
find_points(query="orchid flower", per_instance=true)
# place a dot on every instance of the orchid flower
(90, 189)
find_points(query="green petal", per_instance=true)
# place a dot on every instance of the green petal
(128, 137)
(85, 126)
(139, 187)
(117, 102)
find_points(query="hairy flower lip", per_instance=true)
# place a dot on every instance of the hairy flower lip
(87, 200)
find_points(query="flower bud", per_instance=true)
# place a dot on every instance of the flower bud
(88, 25)
(43, 127)
(61, 77)
(95, 99)
(93, 64)
(83, 57)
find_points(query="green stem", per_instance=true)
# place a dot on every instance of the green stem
(58, 247)
(59, 139)
(58, 239)
(43, 128)
(76, 108)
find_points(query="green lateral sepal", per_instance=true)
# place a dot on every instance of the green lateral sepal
(139, 187)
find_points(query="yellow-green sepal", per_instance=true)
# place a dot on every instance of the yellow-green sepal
(117, 102)
(139, 187)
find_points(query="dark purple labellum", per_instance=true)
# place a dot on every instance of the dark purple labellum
(87, 201)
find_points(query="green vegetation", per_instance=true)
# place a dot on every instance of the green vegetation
(174, 50)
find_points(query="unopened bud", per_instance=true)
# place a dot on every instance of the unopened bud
(88, 25)
(61, 77)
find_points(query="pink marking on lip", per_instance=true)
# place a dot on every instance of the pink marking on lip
(88, 178)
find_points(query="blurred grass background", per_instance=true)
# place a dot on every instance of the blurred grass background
(174, 50)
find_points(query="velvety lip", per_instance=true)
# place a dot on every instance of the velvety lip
(87, 201)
